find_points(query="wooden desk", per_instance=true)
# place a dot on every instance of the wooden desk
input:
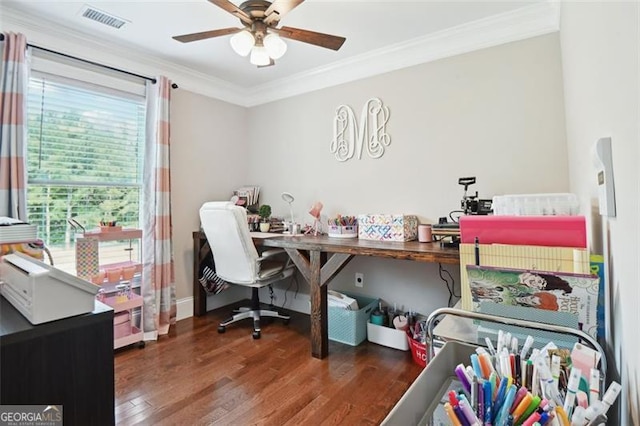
(306, 251)
(311, 256)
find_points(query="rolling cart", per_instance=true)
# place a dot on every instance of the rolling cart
(422, 404)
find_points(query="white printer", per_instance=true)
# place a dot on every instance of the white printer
(43, 293)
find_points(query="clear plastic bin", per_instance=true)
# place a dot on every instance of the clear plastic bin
(559, 204)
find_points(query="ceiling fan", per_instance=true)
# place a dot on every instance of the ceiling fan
(260, 35)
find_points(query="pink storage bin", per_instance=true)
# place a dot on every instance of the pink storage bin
(121, 325)
(552, 231)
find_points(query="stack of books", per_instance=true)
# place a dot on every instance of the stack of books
(14, 231)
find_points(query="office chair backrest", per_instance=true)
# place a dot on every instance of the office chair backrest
(234, 254)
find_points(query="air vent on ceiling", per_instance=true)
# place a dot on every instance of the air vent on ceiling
(97, 15)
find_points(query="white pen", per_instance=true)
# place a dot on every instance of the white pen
(499, 342)
(492, 350)
(514, 345)
(594, 385)
(572, 388)
(525, 348)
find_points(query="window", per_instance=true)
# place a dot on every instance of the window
(84, 159)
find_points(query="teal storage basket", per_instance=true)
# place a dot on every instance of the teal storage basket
(350, 327)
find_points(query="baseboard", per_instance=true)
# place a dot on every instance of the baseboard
(184, 308)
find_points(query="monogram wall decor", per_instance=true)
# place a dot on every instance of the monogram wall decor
(371, 135)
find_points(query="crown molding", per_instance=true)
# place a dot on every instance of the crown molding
(526, 22)
(50, 35)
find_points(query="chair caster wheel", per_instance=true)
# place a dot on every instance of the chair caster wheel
(221, 329)
(256, 334)
(141, 345)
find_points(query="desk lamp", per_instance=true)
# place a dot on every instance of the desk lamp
(287, 197)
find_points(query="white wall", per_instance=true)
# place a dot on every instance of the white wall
(600, 43)
(497, 114)
(208, 152)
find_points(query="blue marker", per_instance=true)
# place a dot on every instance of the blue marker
(488, 412)
(475, 363)
(501, 417)
(500, 397)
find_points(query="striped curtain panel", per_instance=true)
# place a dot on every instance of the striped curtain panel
(158, 278)
(14, 81)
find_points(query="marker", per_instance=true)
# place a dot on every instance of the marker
(461, 417)
(501, 418)
(453, 398)
(544, 418)
(475, 363)
(477, 251)
(468, 413)
(525, 348)
(502, 391)
(522, 392)
(535, 402)
(488, 398)
(451, 414)
(578, 416)
(534, 417)
(462, 376)
(530, 374)
(594, 385)
(522, 407)
(492, 350)
(572, 388)
(485, 362)
(480, 410)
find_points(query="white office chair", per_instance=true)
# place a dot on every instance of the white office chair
(237, 261)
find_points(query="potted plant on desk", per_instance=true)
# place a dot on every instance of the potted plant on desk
(265, 214)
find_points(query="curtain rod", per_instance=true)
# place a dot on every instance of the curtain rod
(153, 80)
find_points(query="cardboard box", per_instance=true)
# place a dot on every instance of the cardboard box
(388, 227)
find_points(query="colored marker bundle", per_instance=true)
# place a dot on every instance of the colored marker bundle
(505, 387)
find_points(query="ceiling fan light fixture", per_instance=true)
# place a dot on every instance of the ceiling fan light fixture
(275, 45)
(259, 56)
(242, 42)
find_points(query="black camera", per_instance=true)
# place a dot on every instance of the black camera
(471, 204)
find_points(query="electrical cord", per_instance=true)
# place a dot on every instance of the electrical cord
(294, 278)
(450, 285)
(457, 218)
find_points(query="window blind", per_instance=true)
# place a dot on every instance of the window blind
(84, 156)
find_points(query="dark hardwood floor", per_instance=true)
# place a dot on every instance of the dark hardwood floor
(195, 376)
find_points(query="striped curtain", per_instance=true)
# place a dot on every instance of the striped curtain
(14, 81)
(158, 278)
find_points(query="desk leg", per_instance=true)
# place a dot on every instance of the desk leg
(319, 317)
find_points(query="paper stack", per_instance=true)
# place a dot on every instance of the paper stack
(13, 231)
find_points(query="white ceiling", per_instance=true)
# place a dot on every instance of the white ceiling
(376, 32)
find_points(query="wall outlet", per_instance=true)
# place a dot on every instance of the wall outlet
(359, 279)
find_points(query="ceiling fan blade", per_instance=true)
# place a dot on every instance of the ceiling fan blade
(271, 62)
(278, 9)
(186, 38)
(311, 37)
(233, 9)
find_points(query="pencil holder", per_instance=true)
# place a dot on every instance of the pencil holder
(348, 231)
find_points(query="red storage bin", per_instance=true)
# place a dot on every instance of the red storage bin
(418, 351)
